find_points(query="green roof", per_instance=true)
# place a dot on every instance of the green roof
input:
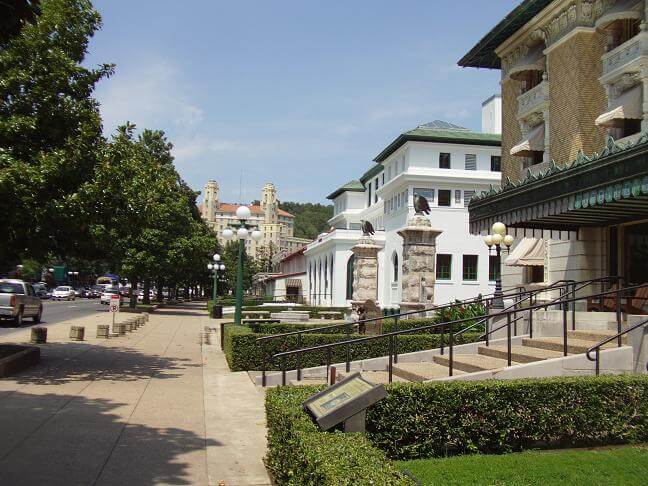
(373, 171)
(448, 134)
(483, 54)
(351, 186)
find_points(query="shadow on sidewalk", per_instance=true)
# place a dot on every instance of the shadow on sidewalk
(67, 362)
(69, 439)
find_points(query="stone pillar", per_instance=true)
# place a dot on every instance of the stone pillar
(419, 263)
(365, 271)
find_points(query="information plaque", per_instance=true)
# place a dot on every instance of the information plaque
(345, 402)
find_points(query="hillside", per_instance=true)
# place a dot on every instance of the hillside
(310, 219)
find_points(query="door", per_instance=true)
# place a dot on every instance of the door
(636, 253)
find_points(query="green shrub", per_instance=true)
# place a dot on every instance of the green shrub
(444, 315)
(283, 327)
(244, 353)
(421, 420)
(312, 310)
(299, 454)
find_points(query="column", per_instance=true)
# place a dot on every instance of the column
(419, 264)
(365, 272)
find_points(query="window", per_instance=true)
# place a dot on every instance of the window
(395, 267)
(426, 193)
(471, 162)
(443, 266)
(349, 279)
(468, 195)
(444, 197)
(369, 194)
(444, 160)
(458, 196)
(470, 267)
(383, 178)
(534, 274)
(496, 163)
(375, 191)
(493, 268)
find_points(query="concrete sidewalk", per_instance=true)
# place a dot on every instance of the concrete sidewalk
(157, 406)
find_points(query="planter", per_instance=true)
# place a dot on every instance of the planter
(39, 335)
(77, 333)
(15, 358)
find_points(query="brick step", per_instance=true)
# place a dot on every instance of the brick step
(574, 346)
(472, 362)
(422, 371)
(593, 335)
(519, 354)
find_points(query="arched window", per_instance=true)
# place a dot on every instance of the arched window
(349, 278)
(395, 267)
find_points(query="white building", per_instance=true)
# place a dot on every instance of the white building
(443, 162)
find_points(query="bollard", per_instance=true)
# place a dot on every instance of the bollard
(103, 331)
(146, 316)
(77, 333)
(128, 326)
(141, 320)
(119, 328)
(133, 323)
(39, 335)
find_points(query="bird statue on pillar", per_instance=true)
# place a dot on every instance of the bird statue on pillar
(367, 228)
(421, 205)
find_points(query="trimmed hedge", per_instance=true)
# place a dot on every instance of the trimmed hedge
(389, 325)
(282, 327)
(243, 353)
(299, 454)
(421, 420)
(312, 310)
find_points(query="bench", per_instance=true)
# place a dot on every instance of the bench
(255, 314)
(330, 315)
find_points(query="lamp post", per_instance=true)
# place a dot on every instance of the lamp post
(215, 268)
(496, 240)
(72, 276)
(242, 232)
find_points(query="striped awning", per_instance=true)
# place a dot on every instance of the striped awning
(533, 61)
(627, 106)
(532, 142)
(610, 188)
(528, 252)
(293, 282)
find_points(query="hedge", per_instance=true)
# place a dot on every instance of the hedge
(422, 420)
(243, 353)
(283, 327)
(389, 325)
(299, 454)
(312, 310)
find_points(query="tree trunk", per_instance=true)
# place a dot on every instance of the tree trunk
(133, 293)
(160, 295)
(147, 289)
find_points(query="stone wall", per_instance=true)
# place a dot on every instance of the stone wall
(365, 272)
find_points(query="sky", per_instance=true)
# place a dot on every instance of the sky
(301, 93)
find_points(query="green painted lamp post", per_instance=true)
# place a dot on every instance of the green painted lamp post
(498, 237)
(215, 268)
(242, 232)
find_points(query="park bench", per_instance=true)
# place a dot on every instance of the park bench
(330, 315)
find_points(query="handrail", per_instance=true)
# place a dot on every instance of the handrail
(391, 335)
(597, 347)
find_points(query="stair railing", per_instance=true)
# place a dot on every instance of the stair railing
(392, 336)
(618, 336)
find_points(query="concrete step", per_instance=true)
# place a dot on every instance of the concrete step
(519, 354)
(574, 346)
(422, 371)
(377, 377)
(472, 362)
(593, 335)
(309, 380)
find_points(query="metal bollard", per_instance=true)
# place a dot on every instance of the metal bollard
(103, 331)
(39, 335)
(77, 333)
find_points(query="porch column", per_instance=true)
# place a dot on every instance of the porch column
(365, 272)
(419, 264)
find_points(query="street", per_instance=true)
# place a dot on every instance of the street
(58, 311)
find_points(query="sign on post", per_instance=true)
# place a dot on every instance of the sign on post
(113, 306)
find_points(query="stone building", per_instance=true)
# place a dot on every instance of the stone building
(276, 224)
(574, 144)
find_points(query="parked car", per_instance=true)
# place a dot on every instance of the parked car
(63, 292)
(80, 292)
(40, 289)
(95, 292)
(19, 300)
(107, 295)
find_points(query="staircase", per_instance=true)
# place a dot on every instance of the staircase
(486, 358)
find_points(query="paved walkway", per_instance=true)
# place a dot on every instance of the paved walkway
(157, 406)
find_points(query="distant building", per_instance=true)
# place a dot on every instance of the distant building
(276, 224)
(492, 115)
(289, 283)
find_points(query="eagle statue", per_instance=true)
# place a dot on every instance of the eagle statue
(367, 228)
(421, 205)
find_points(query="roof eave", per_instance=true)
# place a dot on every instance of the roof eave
(404, 138)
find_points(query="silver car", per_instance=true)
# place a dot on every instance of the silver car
(19, 300)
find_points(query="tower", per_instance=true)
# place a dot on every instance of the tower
(269, 204)
(211, 200)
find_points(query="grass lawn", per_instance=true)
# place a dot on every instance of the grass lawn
(610, 467)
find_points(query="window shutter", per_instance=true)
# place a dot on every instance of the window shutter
(471, 162)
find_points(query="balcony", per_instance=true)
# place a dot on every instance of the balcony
(534, 101)
(625, 59)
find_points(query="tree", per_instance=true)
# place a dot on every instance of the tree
(50, 129)
(14, 14)
(310, 219)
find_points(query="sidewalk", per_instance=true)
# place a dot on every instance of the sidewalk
(154, 407)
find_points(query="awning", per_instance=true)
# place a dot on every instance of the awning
(532, 142)
(293, 282)
(528, 252)
(628, 105)
(621, 10)
(533, 61)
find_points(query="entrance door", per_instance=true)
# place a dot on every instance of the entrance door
(636, 253)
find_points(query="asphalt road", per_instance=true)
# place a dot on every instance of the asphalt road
(62, 310)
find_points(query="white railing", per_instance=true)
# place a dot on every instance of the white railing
(625, 54)
(533, 100)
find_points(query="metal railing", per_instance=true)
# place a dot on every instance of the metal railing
(618, 336)
(564, 300)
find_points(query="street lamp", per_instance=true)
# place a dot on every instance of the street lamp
(243, 230)
(496, 240)
(216, 268)
(72, 277)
